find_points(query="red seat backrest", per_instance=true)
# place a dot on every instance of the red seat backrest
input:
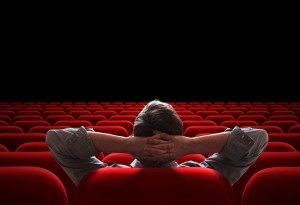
(31, 185)
(154, 186)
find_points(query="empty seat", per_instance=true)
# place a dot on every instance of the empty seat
(219, 119)
(135, 113)
(295, 129)
(290, 138)
(277, 185)
(266, 160)
(5, 118)
(44, 129)
(123, 123)
(107, 114)
(47, 113)
(280, 147)
(196, 130)
(234, 113)
(154, 186)
(3, 123)
(33, 147)
(9, 113)
(184, 112)
(263, 113)
(27, 124)
(240, 123)
(27, 117)
(76, 114)
(29, 112)
(284, 117)
(39, 159)
(191, 157)
(93, 119)
(73, 123)
(13, 140)
(190, 123)
(52, 119)
(130, 118)
(283, 112)
(190, 117)
(3, 148)
(259, 119)
(118, 158)
(204, 114)
(10, 129)
(283, 124)
(30, 185)
(270, 129)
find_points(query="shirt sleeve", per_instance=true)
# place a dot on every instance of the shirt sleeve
(75, 152)
(243, 147)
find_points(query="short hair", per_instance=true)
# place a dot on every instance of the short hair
(157, 116)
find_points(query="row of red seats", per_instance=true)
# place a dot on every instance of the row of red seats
(35, 111)
(34, 185)
(276, 126)
(95, 187)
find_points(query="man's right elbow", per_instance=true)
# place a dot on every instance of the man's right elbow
(51, 137)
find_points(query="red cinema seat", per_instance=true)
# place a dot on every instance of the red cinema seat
(266, 160)
(191, 157)
(76, 114)
(27, 124)
(3, 148)
(5, 118)
(290, 138)
(190, 123)
(107, 114)
(118, 158)
(259, 119)
(130, 118)
(206, 113)
(219, 119)
(285, 125)
(272, 186)
(135, 113)
(30, 185)
(233, 113)
(33, 147)
(295, 129)
(263, 113)
(280, 147)
(278, 112)
(29, 112)
(44, 129)
(3, 123)
(93, 119)
(240, 123)
(48, 113)
(284, 117)
(154, 186)
(9, 113)
(195, 130)
(184, 112)
(52, 119)
(270, 129)
(73, 123)
(123, 123)
(10, 129)
(13, 140)
(27, 117)
(40, 159)
(190, 117)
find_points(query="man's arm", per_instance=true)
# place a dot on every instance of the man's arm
(75, 149)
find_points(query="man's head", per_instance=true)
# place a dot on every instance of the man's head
(157, 116)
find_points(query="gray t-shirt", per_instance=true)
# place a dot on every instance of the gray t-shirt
(74, 150)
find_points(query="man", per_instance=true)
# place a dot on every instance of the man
(157, 142)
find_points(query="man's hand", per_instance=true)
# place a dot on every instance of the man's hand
(155, 148)
(167, 147)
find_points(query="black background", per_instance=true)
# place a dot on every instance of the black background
(44, 61)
